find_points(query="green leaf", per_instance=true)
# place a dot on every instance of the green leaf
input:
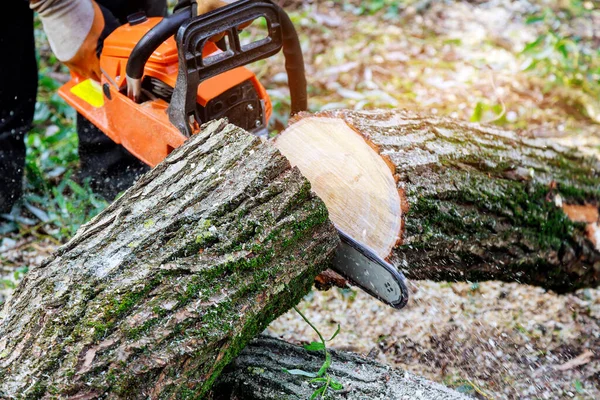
(7, 283)
(335, 334)
(335, 385)
(477, 112)
(48, 83)
(578, 386)
(318, 392)
(562, 48)
(300, 372)
(314, 346)
(529, 47)
(77, 189)
(325, 365)
(534, 19)
(40, 214)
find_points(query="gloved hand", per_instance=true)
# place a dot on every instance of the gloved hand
(205, 6)
(75, 30)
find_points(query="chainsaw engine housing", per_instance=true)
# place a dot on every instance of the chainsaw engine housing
(143, 127)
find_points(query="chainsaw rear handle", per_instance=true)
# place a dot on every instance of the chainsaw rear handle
(294, 61)
(294, 65)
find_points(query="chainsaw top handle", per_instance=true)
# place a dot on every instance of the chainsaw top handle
(142, 51)
(194, 32)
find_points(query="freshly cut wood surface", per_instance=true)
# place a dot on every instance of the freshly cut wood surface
(352, 179)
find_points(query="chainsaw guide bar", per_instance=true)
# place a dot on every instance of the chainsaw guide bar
(371, 273)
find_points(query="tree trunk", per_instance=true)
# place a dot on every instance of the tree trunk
(154, 296)
(258, 373)
(478, 202)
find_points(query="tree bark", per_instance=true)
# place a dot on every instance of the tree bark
(482, 203)
(154, 296)
(258, 373)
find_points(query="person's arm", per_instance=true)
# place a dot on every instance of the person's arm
(74, 29)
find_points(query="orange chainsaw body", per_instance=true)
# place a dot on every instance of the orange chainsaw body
(144, 128)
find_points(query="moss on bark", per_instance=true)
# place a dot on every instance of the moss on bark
(160, 291)
(484, 203)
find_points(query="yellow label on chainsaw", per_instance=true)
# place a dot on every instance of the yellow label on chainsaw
(89, 91)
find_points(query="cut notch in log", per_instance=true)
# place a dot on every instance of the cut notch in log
(350, 176)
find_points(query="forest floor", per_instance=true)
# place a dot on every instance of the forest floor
(532, 66)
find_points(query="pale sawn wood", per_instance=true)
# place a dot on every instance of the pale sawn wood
(352, 179)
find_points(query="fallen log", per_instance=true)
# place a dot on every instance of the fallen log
(259, 373)
(455, 201)
(154, 296)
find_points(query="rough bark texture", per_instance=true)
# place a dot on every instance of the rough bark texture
(258, 374)
(154, 296)
(158, 293)
(486, 203)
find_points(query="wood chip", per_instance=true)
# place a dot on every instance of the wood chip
(581, 359)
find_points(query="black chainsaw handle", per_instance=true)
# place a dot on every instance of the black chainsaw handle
(294, 64)
(186, 9)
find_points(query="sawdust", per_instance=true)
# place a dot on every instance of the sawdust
(509, 340)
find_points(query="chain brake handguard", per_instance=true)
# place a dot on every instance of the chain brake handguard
(194, 68)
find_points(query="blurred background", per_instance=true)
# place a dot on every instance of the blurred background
(527, 65)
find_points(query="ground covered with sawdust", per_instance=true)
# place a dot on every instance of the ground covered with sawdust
(532, 66)
(465, 60)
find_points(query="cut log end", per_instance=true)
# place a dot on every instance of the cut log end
(350, 176)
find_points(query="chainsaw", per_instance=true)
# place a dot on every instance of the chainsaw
(170, 75)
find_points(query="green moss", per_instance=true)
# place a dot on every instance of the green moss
(577, 195)
(317, 215)
(118, 307)
(38, 390)
(248, 229)
(100, 329)
(138, 331)
(299, 198)
(294, 292)
(240, 279)
(260, 268)
(479, 206)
